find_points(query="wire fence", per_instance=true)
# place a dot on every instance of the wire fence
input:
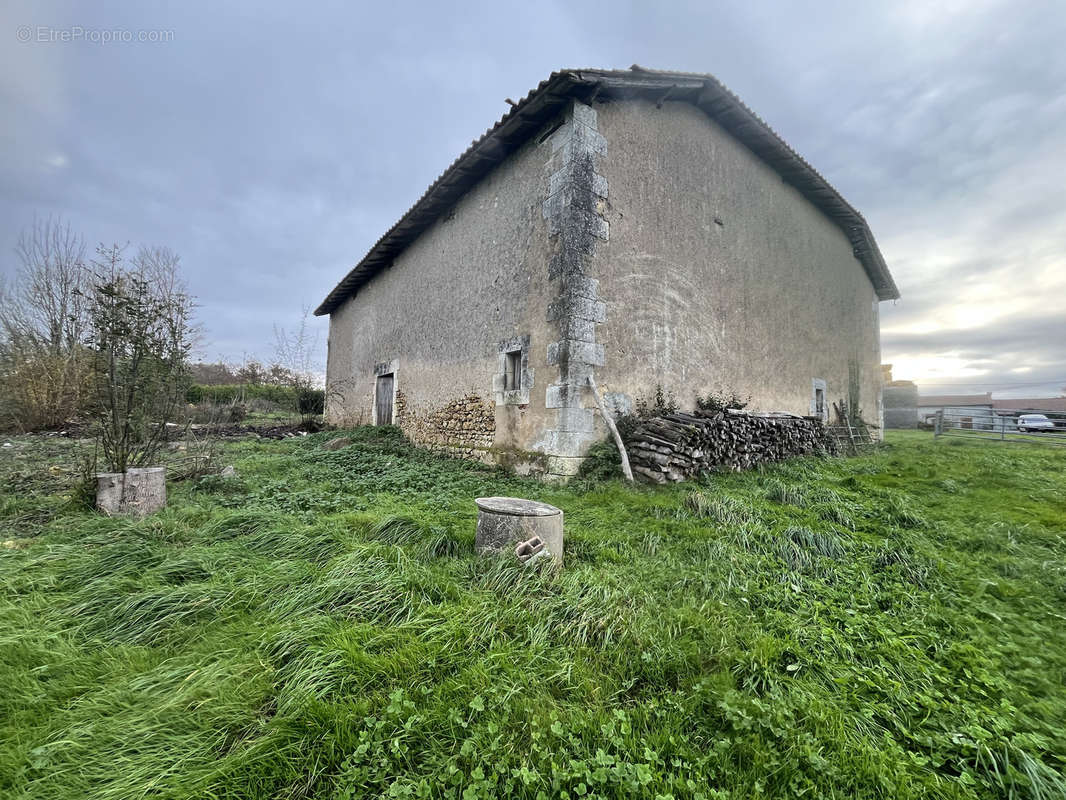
(1023, 426)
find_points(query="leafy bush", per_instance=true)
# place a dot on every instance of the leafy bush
(311, 402)
(603, 461)
(662, 402)
(721, 401)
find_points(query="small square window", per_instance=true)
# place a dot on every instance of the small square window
(819, 406)
(513, 377)
(512, 374)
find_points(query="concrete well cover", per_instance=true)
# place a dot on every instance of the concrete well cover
(516, 506)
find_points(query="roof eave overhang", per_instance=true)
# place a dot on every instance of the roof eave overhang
(550, 97)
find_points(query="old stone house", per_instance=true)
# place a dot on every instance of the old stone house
(644, 227)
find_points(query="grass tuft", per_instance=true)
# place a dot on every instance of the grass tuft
(900, 511)
(784, 493)
(724, 510)
(357, 585)
(911, 568)
(395, 529)
(801, 548)
(146, 617)
(248, 522)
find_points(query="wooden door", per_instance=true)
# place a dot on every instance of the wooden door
(383, 400)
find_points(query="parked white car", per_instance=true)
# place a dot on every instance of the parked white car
(1034, 422)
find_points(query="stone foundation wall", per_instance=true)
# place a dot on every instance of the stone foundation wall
(463, 428)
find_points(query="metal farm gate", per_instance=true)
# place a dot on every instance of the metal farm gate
(1000, 424)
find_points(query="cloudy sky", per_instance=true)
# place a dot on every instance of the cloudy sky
(270, 147)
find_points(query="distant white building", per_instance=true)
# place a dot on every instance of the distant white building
(981, 412)
(970, 410)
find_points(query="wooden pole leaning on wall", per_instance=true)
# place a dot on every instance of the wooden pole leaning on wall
(626, 470)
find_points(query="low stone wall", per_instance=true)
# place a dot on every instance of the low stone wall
(465, 428)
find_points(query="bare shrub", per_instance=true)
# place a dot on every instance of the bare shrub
(44, 365)
(294, 363)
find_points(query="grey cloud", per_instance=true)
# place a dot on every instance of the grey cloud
(1043, 336)
(271, 146)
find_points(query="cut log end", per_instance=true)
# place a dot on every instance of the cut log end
(136, 493)
(676, 446)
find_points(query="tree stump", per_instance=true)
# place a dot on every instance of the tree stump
(504, 522)
(109, 492)
(137, 493)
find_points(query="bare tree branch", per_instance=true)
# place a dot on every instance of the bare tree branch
(43, 323)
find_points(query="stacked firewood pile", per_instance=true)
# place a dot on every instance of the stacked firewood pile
(675, 446)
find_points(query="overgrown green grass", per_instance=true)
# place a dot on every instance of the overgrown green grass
(886, 626)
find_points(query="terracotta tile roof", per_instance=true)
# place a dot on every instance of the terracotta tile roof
(548, 99)
(1036, 403)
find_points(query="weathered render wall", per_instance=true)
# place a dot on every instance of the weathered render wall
(720, 276)
(437, 317)
(507, 267)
